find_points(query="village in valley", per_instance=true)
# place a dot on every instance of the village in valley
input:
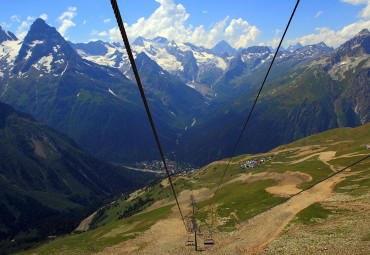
(255, 163)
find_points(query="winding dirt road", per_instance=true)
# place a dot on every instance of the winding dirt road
(168, 236)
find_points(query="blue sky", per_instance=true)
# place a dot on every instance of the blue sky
(242, 23)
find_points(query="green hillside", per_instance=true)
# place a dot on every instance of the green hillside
(47, 182)
(237, 220)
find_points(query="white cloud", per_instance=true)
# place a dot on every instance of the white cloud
(66, 20)
(331, 37)
(95, 32)
(205, 11)
(66, 24)
(84, 22)
(318, 14)
(106, 20)
(44, 16)
(15, 18)
(241, 34)
(365, 12)
(355, 2)
(169, 20)
(70, 14)
(274, 43)
(5, 25)
(23, 27)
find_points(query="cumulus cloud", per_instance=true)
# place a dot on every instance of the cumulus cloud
(15, 18)
(169, 20)
(318, 14)
(66, 20)
(274, 43)
(24, 27)
(70, 14)
(106, 20)
(331, 37)
(365, 12)
(44, 16)
(240, 33)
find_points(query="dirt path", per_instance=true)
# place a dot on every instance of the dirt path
(168, 236)
(254, 235)
(85, 224)
(327, 156)
(145, 170)
(323, 156)
(165, 183)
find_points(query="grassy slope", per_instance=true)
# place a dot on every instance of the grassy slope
(237, 202)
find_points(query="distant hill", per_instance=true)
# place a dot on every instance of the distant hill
(47, 181)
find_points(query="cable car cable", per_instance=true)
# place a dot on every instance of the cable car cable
(143, 97)
(312, 185)
(254, 104)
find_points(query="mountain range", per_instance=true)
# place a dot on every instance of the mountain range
(199, 97)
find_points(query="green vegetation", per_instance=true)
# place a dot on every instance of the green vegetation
(238, 202)
(48, 184)
(310, 214)
(96, 240)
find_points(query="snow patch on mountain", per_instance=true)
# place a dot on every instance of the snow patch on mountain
(111, 91)
(10, 50)
(44, 63)
(64, 70)
(56, 48)
(161, 56)
(207, 58)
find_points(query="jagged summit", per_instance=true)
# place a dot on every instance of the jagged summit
(160, 39)
(223, 47)
(41, 31)
(6, 36)
(98, 48)
(357, 45)
(363, 32)
(44, 45)
(139, 41)
(292, 48)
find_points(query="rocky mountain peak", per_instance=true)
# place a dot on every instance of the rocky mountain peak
(6, 36)
(223, 47)
(363, 32)
(139, 41)
(43, 43)
(357, 45)
(292, 48)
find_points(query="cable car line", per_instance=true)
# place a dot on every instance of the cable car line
(143, 97)
(137, 77)
(312, 185)
(254, 104)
